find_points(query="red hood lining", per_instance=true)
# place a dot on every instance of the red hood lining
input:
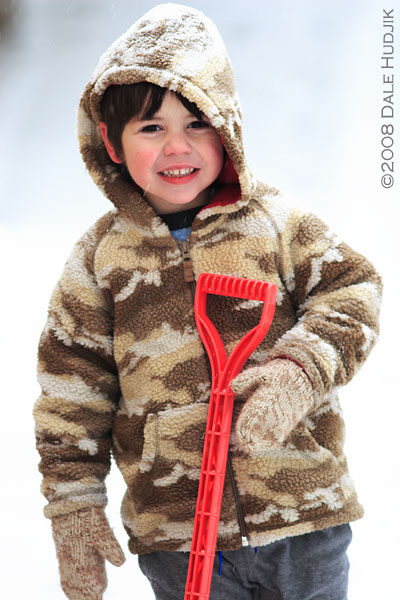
(228, 178)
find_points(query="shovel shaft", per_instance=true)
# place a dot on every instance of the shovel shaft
(216, 442)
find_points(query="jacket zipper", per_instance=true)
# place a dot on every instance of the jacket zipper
(187, 263)
(242, 522)
(189, 278)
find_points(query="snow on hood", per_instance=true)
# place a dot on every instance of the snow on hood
(179, 48)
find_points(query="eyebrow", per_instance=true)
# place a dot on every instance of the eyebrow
(155, 118)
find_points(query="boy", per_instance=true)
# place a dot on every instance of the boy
(121, 364)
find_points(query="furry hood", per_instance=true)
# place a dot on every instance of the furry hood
(179, 48)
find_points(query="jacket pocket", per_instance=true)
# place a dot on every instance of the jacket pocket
(305, 444)
(173, 441)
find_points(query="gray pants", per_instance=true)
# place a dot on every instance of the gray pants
(313, 566)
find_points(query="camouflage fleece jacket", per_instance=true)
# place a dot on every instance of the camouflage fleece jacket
(121, 365)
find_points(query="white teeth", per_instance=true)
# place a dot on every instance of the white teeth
(178, 172)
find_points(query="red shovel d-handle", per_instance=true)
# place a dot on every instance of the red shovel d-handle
(216, 443)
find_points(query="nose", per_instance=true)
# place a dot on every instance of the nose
(177, 143)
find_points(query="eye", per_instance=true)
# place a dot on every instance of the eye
(199, 124)
(150, 128)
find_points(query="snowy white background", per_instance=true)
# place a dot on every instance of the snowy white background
(310, 81)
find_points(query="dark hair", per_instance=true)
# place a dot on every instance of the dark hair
(120, 103)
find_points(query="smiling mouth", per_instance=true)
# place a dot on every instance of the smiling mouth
(178, 172)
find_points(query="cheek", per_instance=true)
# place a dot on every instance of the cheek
(216, 154)
(140, 163)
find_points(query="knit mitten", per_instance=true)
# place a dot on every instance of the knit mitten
(281, 397)
(83, 540)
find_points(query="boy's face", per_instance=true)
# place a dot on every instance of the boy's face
(173, 157)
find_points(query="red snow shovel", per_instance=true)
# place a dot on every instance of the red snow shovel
(216, 443)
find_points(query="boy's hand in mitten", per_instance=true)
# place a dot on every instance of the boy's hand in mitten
(280, 397)
(83, 540)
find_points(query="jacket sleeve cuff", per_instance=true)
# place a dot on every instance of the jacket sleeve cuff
(70, 497)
